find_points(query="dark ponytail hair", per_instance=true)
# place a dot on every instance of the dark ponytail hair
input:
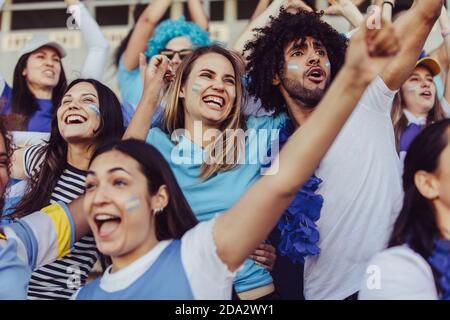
(177, 217)
(416, 225)
(41, 185)
(23, 101)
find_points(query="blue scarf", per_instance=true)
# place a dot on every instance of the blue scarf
(440, 261)
(299, 233)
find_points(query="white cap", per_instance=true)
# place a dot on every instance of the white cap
(41, 41)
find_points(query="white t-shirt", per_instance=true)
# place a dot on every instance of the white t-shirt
(208, 276)
(362, 194)
(398, 273)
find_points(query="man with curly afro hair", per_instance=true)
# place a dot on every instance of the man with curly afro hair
(290, 64)
(267, 62)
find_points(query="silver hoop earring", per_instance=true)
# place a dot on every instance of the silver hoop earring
(158, 211)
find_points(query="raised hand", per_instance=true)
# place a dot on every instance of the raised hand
(371, 50)
(346, 8)
(294, 6)
(71, 2)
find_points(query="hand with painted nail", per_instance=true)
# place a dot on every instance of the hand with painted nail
(265, 256)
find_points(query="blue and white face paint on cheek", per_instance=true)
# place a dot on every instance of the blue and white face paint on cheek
(196, 87)
(328, 64)
(412, 88)
(292, 66)
(132, 204)
(95, 109)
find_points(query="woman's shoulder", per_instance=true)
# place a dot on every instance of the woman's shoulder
(398, 273)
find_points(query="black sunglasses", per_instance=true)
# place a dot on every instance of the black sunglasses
(171, 53)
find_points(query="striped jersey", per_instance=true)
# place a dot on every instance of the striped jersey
(62, 278)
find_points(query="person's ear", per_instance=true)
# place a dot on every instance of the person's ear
(276, 80)
(182, 91)
(24, 72)
(160, 199)
(427, 184)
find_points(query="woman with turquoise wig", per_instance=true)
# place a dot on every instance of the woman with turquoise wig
(173, 38)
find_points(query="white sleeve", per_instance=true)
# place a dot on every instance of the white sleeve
(446, 107)
(208, 276)
(28, 138)
(43, 236)
(32, 160)
(398, 274)
(95, 62)
(378, 97)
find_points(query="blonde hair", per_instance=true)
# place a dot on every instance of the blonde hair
(229, 146)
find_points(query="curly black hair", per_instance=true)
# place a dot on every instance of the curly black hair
(266, 58)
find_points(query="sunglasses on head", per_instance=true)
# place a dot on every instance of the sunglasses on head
(171, 53)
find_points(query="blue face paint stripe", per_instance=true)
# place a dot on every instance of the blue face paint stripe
(196, 87)
(95, 109)
(133, 204)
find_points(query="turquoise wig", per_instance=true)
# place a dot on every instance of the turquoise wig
(169, 29)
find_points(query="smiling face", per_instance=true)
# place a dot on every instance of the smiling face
(307, 72)
(43, 68)
(419, 92)
(210, 90)
(79, 114)
(118, 206)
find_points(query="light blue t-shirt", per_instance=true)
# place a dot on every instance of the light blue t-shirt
(130, 84)
(221, 191)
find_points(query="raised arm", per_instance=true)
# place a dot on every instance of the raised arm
(263, 19)
(346, 9)
(263, 204)
(444, 23)
(143, 29)
(198, 14)
(260, 8)
(17, 164)
(157, 75)
(413, 28)
(95, 61)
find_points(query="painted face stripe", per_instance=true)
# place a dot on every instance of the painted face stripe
(196, 87)
(133, 204)
(95, 109)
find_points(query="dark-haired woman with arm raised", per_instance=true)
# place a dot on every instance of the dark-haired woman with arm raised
(39, 79)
